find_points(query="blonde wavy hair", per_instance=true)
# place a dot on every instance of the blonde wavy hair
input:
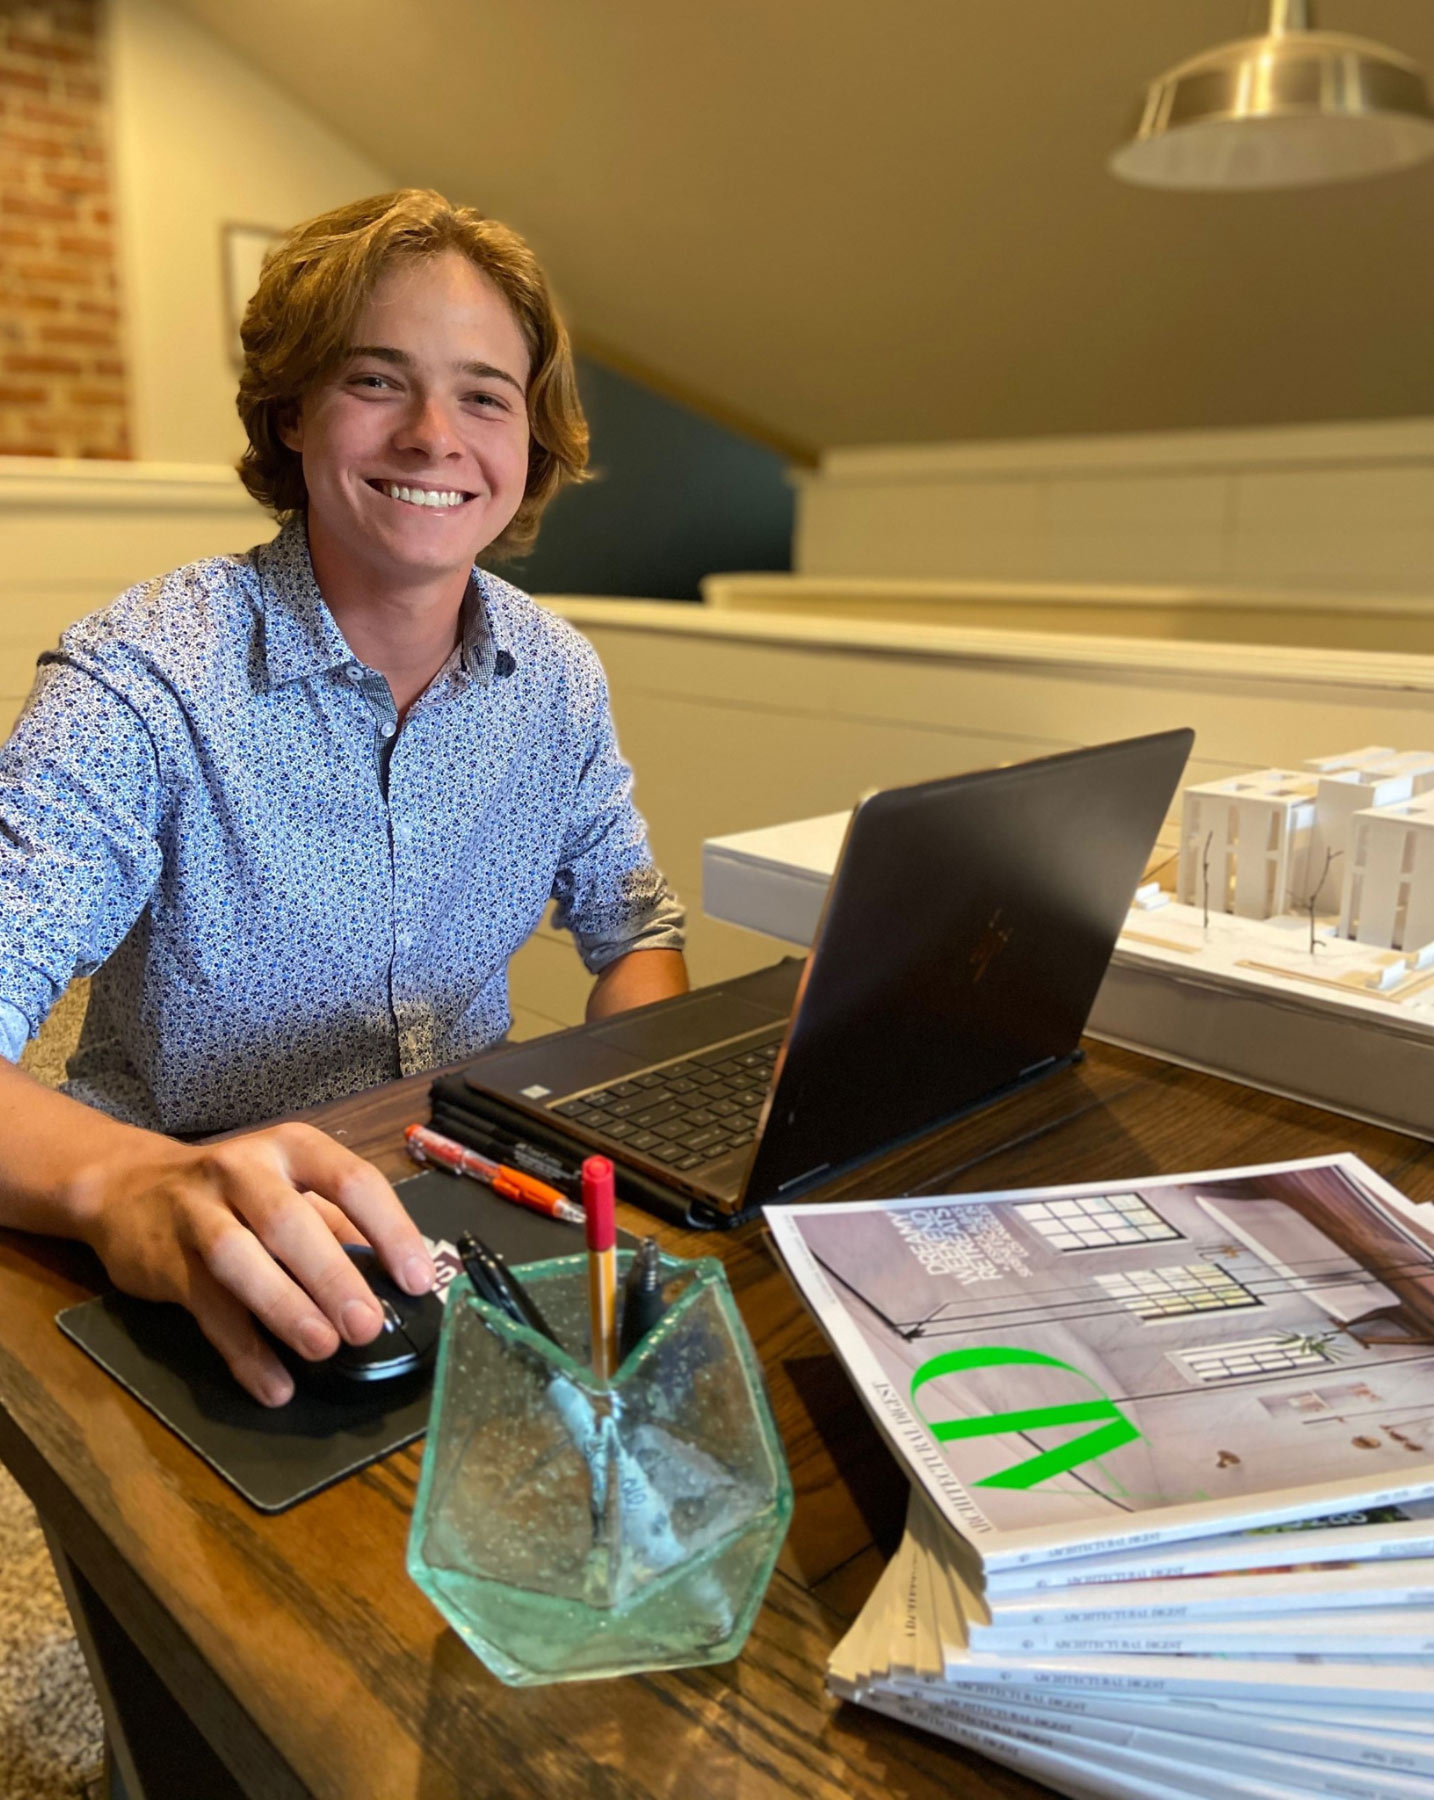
(299, 326)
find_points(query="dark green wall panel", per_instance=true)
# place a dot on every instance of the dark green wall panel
(676, 497)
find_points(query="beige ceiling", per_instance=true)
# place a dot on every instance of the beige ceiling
(850, 222)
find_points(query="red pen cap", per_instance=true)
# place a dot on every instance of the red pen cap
(599, 1203)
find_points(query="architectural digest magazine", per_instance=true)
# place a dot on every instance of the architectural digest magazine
(1105, 1368)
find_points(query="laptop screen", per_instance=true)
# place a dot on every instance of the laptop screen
(966, 932)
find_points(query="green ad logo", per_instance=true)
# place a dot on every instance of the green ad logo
(1113, 1429)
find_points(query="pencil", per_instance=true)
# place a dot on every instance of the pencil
(599, 1207)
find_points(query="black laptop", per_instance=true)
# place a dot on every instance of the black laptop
(966, 930)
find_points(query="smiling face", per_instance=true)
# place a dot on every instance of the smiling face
(415, 451)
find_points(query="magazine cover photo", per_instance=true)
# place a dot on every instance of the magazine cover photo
(1216, 1350)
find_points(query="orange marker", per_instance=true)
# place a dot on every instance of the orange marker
(429, 1146)
(599, 1206)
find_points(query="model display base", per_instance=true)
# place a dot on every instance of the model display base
(1343, 1024)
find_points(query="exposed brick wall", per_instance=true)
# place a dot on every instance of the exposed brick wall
(62, 372)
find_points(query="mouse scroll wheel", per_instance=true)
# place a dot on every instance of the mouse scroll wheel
(396, 1329)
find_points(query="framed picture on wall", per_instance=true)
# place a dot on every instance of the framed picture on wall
(244, 249)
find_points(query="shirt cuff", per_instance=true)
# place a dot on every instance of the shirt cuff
(14, 1031)
(656, 926)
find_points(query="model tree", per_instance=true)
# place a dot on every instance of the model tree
(1308, 904)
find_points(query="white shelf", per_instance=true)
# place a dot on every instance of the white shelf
(774, 880)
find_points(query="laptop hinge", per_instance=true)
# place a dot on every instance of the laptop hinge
(797, 1180)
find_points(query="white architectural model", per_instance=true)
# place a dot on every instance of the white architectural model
(1355, 783)
(1298, 953)
(1357, 826)
(1244, 842)
(1388, 896)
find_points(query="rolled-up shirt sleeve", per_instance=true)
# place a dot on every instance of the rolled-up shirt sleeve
(79, 853)
(14, 1031)
(609, 893)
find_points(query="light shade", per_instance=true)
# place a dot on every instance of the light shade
(1290, 109)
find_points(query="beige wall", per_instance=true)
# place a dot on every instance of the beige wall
(1345, 508)
(1224, 619)
(78, 533)
(201, 140)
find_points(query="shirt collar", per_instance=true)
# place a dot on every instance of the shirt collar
(476, 650)
(301, 636)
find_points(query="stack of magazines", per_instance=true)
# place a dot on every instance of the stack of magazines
(1172, 1450)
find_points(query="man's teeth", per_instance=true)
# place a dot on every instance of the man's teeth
(423, 496)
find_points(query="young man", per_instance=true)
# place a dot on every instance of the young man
(296, 809)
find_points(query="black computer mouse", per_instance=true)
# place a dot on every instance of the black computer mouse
(405, 1347)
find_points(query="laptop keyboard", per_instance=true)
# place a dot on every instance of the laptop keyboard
(686, 1113)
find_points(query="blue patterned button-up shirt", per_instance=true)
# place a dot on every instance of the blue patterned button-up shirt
(285, 897)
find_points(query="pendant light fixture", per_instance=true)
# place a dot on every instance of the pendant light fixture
(1290, 109)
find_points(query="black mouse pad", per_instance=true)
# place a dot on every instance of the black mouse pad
(275, 1456)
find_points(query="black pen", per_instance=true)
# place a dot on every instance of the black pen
(477, 1264)
(507, 1147)
(496, 1283)
(536, 1161)
(642, 1302)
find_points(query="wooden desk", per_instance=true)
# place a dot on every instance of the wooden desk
(309, 1663)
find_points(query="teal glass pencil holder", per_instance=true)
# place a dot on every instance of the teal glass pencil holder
(569, 1528)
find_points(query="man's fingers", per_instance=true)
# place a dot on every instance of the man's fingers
(337, 1221)
(228, 1326)
(315, 1161)
(285, 1265)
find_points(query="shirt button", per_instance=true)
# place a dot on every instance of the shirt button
(403, 833)
(404, 940)
(387, 728)
(353, 672)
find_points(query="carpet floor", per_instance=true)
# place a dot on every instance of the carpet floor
(51, 1736)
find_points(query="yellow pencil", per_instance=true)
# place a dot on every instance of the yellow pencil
(600, 1210)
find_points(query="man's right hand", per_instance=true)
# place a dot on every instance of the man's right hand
(249, 1228)
(252, 1228)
